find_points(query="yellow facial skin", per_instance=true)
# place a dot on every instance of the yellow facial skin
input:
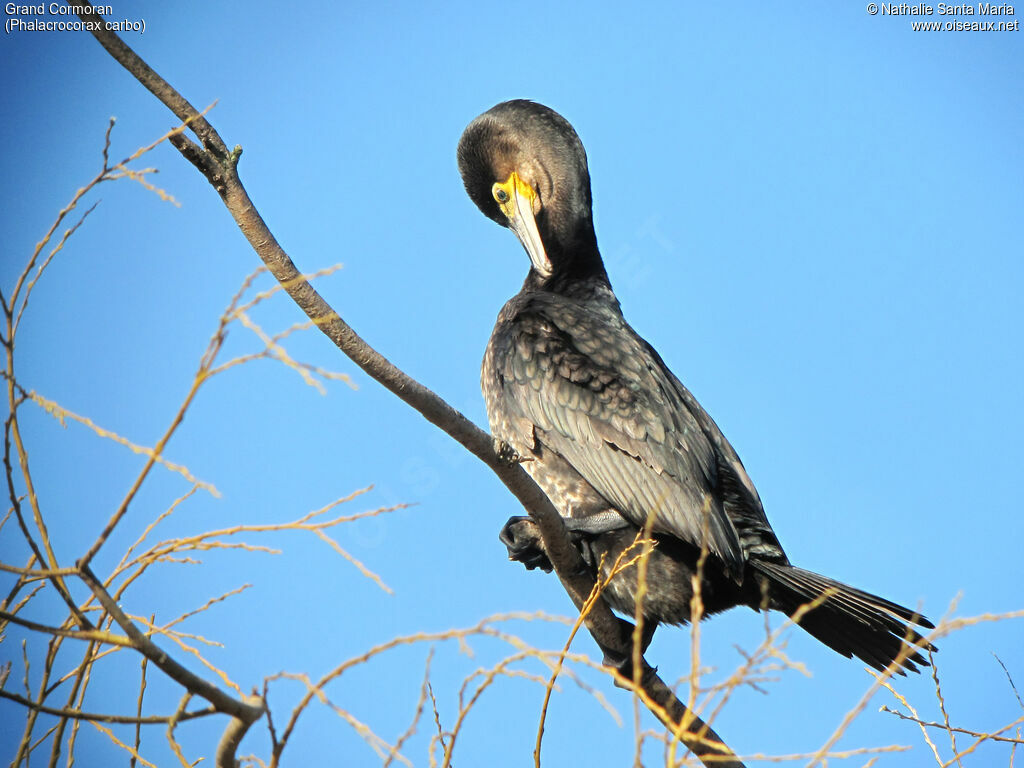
(505, 194)
(520, 204)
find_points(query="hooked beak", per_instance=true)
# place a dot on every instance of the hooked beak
(518, 209)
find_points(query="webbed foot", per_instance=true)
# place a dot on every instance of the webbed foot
(623, 664)
(521, 537)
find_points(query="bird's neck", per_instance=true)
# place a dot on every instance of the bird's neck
(578, 272)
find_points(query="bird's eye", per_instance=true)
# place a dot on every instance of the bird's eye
(500, 194)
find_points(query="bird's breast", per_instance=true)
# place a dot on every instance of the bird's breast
(561, 482)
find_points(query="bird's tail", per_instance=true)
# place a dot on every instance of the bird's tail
(847, 620)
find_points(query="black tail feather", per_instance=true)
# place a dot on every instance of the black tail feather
(848, 620)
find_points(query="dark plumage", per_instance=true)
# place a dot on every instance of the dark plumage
(612, 435)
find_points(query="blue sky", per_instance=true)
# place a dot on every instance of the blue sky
(814, 214)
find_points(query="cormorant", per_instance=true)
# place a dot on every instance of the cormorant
(610, 434)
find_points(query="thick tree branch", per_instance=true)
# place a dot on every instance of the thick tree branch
(232, 738)
(612, 634)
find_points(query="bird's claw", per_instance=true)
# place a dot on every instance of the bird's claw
(507, 454)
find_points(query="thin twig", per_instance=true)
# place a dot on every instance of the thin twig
(103, 717)
(965, 731)
(942, 706)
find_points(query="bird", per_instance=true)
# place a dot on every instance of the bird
(617, 443)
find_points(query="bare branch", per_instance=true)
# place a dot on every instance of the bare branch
(153, 457)
(222, 702)
(138, 704)
(84, 634)
(1009, 679)
(61, 413)
(942, 707)
(946, 727)
(421, 702)
(234, 734)
(103, 717)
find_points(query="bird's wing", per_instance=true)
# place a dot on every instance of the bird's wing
(597, 394)
(739, 496)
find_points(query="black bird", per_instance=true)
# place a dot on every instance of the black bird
(610, 434)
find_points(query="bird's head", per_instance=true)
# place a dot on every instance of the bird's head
(525, 168)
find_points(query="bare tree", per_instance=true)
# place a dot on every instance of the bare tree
(103, 626)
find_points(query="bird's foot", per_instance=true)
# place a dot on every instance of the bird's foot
(623, 662)
(618, 661)
(521, 537)
(623, 666)
(507, 454)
